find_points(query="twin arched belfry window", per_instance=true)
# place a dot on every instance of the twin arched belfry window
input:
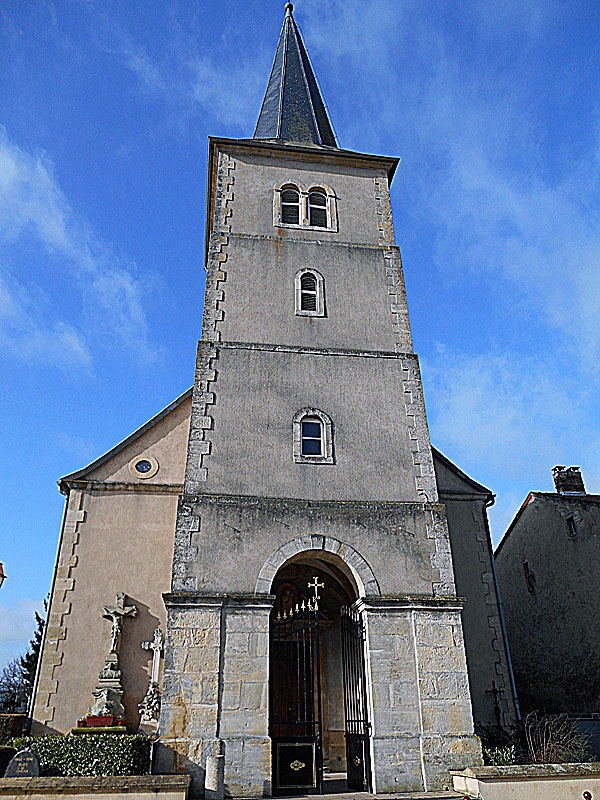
(313, 437)
(296, 207)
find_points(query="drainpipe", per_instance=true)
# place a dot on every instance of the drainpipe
(488, 504)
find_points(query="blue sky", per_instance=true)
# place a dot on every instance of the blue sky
(105, 108)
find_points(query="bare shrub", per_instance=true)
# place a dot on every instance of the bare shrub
(554, 740)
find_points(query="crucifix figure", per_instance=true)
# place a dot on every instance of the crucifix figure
(116, 613)
(497, 694)
(156, 645)
(316, 585)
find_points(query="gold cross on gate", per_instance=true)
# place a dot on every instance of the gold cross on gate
(316, 585)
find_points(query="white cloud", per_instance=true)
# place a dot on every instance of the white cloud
(25, 334)
(139, 62)
(507, 419)
(513, 222)
(33, 204)
(191, 79)
(17, 624)
(516, 414)
(230, 92)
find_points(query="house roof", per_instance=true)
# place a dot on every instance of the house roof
(554, 496)
(477, 488)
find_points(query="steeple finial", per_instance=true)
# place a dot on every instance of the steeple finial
(293, 109)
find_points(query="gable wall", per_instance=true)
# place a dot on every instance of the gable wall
(552, 621)
(115, 538)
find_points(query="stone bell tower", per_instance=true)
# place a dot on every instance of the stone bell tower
(309, 456)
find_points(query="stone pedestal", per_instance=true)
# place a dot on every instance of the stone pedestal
(214, 713)
(422, 723)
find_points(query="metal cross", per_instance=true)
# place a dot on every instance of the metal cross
(316, 585)
(116, 613)
(497, 694)
(156, 645)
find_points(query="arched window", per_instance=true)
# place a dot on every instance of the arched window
(313, 441)
(310, 293)
(317, 209)
(296, 206)
(311, 436)
(290, 206)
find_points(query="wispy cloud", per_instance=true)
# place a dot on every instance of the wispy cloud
(192, 80)
(25, 334)
(501, 203)
(509, 419)
(517, 223)
(32, 204)
(509, 410)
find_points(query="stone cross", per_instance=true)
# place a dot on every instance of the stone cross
(107, 694)
(116, 613)
(150, 705)
(156, 645)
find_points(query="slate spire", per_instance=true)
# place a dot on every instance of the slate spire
(293, 109)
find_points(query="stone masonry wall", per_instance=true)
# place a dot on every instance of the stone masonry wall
(58, 611)
(422, 722)
(215, 693)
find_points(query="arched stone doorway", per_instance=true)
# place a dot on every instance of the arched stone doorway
(317, 687)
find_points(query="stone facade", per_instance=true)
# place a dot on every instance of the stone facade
(488, 659)
(250, 507)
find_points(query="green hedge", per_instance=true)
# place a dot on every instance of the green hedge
(89, 754)
(10, 725)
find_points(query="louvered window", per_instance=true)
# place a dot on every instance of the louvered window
(317, 209)
(308, 292)
(290, 207)
(312, 436)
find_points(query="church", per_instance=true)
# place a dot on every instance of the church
(278, 576)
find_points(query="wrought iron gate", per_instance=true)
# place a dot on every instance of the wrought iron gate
(295, 699)
(358, 756)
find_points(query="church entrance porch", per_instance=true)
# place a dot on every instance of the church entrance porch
(317, 685)
(230, 681)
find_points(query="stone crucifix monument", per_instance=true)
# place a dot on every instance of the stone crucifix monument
(107, 708)
(150, 705)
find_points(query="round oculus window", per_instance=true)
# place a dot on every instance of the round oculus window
(144, 467)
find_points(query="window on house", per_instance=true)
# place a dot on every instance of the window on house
(310, 293)
(317, 209)
(313, 441)
(290, 206)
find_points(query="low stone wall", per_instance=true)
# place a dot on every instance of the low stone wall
(530, 782)
(144, 787)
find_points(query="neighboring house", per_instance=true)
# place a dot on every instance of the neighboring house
(547, 564)
(300, 458)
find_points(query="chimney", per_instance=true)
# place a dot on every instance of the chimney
(568, 480)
